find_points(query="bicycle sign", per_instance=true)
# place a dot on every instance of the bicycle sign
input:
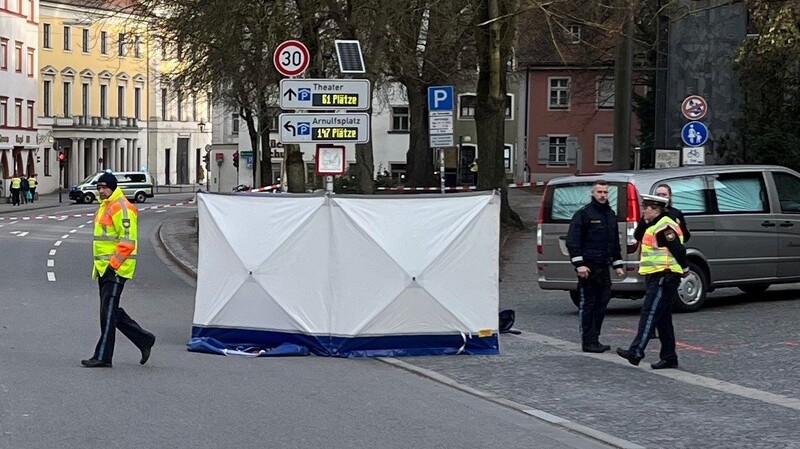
(291, 58)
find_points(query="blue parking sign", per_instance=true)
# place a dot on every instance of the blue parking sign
(440, 98)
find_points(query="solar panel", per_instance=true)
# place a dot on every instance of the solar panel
(350, 58)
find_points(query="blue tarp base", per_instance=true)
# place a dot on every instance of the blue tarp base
(215, 340)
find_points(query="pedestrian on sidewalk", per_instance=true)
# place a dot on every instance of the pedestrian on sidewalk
(32, 182)
(593, 244)
(16, 185)
(25, 189)
(662, 263)
(115, 249)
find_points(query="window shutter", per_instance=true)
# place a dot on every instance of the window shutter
(544, 150)
(572, 150)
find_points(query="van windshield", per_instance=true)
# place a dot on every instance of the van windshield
(89, 178)
(567, 199)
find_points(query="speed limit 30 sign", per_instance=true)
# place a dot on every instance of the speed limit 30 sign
(291, 58)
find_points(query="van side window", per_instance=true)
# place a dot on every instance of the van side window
(743, 192)
(788, 187)
(567, 199)
(688, 194)
(137, 177)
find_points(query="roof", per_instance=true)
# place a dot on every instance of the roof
(128, 6)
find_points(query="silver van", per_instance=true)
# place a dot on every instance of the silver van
(744, 221)
(137, 187)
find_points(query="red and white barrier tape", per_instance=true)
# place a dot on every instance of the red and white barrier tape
(437, 189)
(264, 189)
(91, 214)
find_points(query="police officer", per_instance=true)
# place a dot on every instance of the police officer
(593, 244)
(665, 191)
(32, 182)
(16, 185)
(114, 248)
(663, 262)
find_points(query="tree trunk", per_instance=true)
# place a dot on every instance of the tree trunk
(366, 167)
(295, 169)
(419, 159)
(265, 163)
(252, 132)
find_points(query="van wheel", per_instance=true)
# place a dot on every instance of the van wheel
(575, 296)
(87, 198)
(692, 290)
(139, 197)
(753, 289)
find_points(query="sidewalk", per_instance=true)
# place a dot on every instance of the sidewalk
(44, 201)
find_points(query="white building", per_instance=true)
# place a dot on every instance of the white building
(19, 147)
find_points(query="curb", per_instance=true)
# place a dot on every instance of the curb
(184, 266)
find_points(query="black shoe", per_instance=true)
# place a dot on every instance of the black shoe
(94, 363)
(664, 364)
(628, 355)
(596, 348)
(606, 347)
(146, 352)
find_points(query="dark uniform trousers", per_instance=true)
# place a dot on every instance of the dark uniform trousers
(113, 317)
(662, 290)
(595, 293)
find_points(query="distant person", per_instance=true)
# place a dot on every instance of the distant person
(664, 191)
(593, 244)
(662, 263)
(473, 168)
(16, 186)
(115, 249)
(33, 183)
(25, 189)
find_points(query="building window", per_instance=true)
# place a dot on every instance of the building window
(3, 111)
(605, 92)
(235, 123)
(466, 106)
(31, 106)
(509, 107)
(46, 36)
(121, 44)
(47, 161)
(507, 155)
(137, 46)
(47, 92)
(18, 112)
(18, 51)
(67, 97)
(400, 119)
(103, 43)
(559, 93)
(558, 150)
(163, 104)
(603, 149)
(85, 99)
(67, 41)
(31, 58)
(137, 103)
(573, 34)
(398, 171)
(31, 11)
(194, 107)
(3, 54)
(180, 107)
(274, 115)
(120, 101)
(103, 101)
(85, 40)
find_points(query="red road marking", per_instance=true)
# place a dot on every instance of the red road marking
(791, 343)
(679, 344)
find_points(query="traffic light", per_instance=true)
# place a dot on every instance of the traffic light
(62, 159)
(236, 159)
(205, 159)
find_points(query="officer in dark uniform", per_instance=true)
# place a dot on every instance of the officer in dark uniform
(593, 244)
(665, 191)
(663, 262)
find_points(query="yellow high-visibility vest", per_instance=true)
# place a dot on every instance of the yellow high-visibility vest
(32, 182)
(16, 183)
(654, 258)
(115, 236)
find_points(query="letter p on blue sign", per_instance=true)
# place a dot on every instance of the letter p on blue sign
(440, 98)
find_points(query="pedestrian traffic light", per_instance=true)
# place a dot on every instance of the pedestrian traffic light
(205, 159)
(236, 159)
(62, 159)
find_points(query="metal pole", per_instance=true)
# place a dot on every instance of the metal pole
(60, 180)
(329, 184)
(441, 169)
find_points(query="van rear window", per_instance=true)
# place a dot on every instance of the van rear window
(567, 199)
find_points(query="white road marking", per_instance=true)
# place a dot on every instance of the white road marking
(20, 233)
(681, 376)
(57, 243)
(65, 236)
(160, 211)
(81, 226)
(52, 252)
(51, 263)
(73, 231)
(51, 276)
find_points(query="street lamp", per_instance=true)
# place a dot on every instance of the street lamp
(202, 126)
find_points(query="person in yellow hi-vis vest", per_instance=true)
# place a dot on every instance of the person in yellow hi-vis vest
(32, 182)
(16, 185)
(662, 263)
(115, 249)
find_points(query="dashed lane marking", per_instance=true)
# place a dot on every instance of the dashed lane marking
(51, 263)
(678, 375)
(20, 233)
(51, 276)
(52, 252)
(65, 236)
(73, 231)
(57, 243)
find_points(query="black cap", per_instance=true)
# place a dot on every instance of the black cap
(652, 200)
(108, 180)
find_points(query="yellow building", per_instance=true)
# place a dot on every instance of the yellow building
(99, 96)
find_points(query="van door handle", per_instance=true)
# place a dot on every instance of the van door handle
(562, 237)
(768, 224)
(786, 224)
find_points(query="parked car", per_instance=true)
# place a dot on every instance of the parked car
(744, 221)
(137, 186)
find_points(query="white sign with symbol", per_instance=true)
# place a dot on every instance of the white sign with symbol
(694, 107)
(313, 94)
(694, 155)
(330, 160)
(291, 58)
(325, 128)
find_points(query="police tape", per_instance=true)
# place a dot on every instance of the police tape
(456, 188)
(265, 189)
(91, 214)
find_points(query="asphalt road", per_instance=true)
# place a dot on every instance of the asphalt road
(49, 321)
